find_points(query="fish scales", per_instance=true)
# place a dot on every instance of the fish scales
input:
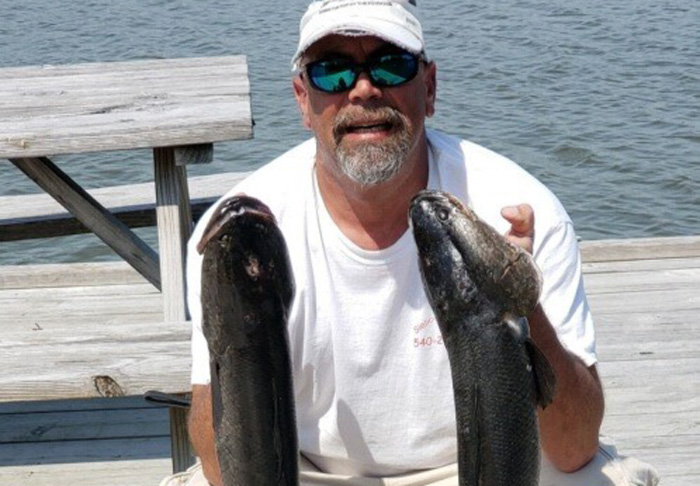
(247, 289)
(479, 286)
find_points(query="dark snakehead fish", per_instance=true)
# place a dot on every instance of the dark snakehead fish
(247, 289)
(480, 286)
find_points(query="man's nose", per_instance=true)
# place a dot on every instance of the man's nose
(364, 90)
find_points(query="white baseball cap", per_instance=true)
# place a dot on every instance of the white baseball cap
(395, 21)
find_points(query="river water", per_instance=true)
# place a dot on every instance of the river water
(600, 100)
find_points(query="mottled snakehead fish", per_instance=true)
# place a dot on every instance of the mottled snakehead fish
(247, 289)
(480, 286)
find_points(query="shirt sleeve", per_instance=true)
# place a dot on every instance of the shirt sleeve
(201, 374)
(563, 296)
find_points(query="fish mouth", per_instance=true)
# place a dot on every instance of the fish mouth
(429, 196)
(235, 207)
(429, 203)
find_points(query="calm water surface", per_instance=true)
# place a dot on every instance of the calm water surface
(600, 100)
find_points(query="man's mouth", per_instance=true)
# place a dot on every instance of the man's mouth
(368, 127)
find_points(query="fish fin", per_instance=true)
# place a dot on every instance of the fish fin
(543, 375)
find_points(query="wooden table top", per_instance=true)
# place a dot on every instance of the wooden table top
(48, 110)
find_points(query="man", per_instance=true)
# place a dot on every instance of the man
(374, 401)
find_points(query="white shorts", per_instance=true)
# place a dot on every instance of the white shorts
(606, 469)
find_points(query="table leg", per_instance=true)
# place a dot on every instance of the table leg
(174, 228)
(182, 452)
(92, 214)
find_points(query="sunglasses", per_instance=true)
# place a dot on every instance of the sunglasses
(338, 74)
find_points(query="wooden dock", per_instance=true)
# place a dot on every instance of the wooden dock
(644, 295)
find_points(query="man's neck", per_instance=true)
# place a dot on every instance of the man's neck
(373, 217)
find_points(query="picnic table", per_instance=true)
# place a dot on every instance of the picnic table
(177, 107)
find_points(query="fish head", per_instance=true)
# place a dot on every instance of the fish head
(245, 259)
(445, 279)
(504, 273)
(234, 211)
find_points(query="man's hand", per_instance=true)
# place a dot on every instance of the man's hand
(522, 229)
(569, 426)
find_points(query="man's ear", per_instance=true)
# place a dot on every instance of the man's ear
(302, 96)
(430, 77)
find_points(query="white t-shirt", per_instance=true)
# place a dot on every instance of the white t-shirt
(372, 382)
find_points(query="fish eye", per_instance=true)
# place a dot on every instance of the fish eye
(443, 214)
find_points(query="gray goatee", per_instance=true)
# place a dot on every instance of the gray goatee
(370, 164)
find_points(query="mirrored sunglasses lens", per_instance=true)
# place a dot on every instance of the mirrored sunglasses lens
(394, 69)
(331, 76)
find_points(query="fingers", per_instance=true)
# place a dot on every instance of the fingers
(522, 229)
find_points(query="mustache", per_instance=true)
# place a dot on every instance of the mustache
(358, 116)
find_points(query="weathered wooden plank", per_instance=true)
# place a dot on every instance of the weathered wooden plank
(53, 83)
(93, 215)
(26, 206)
(675, 458)
(100, 132)
(88, 425)
(87, 323)
(61, 294)
(653, 371)
(638, 426)
(132, 472)
(29, 453)
(65, 225)
(590, 268)
(651, 301)
(640, 249)
(651, 347)
(610, 327)
(110, 361)
(40, 216)
(68, 307)
(64, 315)
(174, 229)
(643, 281)
(116, 102)
(85, 305)
(113, 106)
(182, 452)
(70, 301)
(37, 407)
(68, 275)
(145, 65)
(80, 91)
(650, 401)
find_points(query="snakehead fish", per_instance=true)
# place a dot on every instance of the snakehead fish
(247, 289)
(480, 286)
